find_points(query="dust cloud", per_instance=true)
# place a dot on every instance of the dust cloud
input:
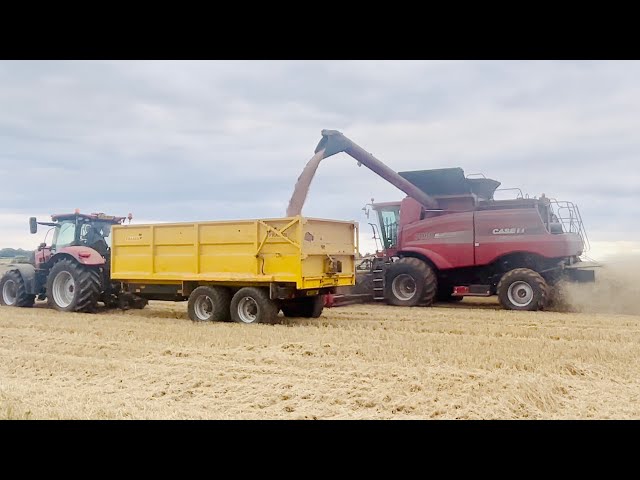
(302, 185)
(616, 289)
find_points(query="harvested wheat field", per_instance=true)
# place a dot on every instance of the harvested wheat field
(468, 361)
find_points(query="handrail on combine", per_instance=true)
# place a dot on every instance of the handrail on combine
(521, 195)
(569, 216)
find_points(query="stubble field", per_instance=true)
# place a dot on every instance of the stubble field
(466, 361)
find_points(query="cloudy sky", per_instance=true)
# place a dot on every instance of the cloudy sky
(206, 140)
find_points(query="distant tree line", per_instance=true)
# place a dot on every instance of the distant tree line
(15, 252)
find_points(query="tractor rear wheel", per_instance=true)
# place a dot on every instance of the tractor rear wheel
(13, 292)
(72, 287)
(523, 289)
(209, 304)
(410, 282)
(253, 305)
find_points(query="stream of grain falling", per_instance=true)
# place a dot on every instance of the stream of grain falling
(302, 185)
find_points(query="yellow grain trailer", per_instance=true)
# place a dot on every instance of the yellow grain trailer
(244, 270)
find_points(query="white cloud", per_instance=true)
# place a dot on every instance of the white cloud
(194, 140)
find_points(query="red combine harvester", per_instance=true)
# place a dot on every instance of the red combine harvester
(449, 238)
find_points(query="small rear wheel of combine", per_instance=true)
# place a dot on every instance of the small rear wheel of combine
(253, 305)
(72, 287)
(522, 289)
(209, 304)
(13, 292)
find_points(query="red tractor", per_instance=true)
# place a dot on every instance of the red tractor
(449, 238)
(72, 273)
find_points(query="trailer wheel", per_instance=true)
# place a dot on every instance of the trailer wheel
(209, 304)
(72, 287)
(253, 305)
(309, 307)
(290, 308)
(314, 306)
(522, 289)
(410, 282)
(13, 292)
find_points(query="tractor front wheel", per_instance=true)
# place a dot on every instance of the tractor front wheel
(72, 287)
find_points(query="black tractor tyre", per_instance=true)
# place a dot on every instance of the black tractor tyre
(253, 305)
(423, 279)
(72, 287)
(13, 292)
(210, 304)
(307, 307)
(523, 289)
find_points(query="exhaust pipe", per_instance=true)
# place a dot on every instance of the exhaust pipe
(333, 142)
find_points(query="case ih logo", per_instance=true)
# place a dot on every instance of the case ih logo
(508, 231)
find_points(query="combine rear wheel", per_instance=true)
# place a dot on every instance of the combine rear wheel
(72, 287)
(13, 292)
(209, 304)
(410, 282)
(522, 289)
(253, 305)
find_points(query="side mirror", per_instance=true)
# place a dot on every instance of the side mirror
(33, 225)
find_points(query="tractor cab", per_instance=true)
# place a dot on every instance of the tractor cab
(75, 230)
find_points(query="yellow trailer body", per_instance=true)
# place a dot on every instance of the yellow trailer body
(308, 252)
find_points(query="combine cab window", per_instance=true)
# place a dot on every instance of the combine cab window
(389, 226)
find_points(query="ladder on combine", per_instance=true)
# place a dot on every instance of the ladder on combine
(377, 268)
(378, 282)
